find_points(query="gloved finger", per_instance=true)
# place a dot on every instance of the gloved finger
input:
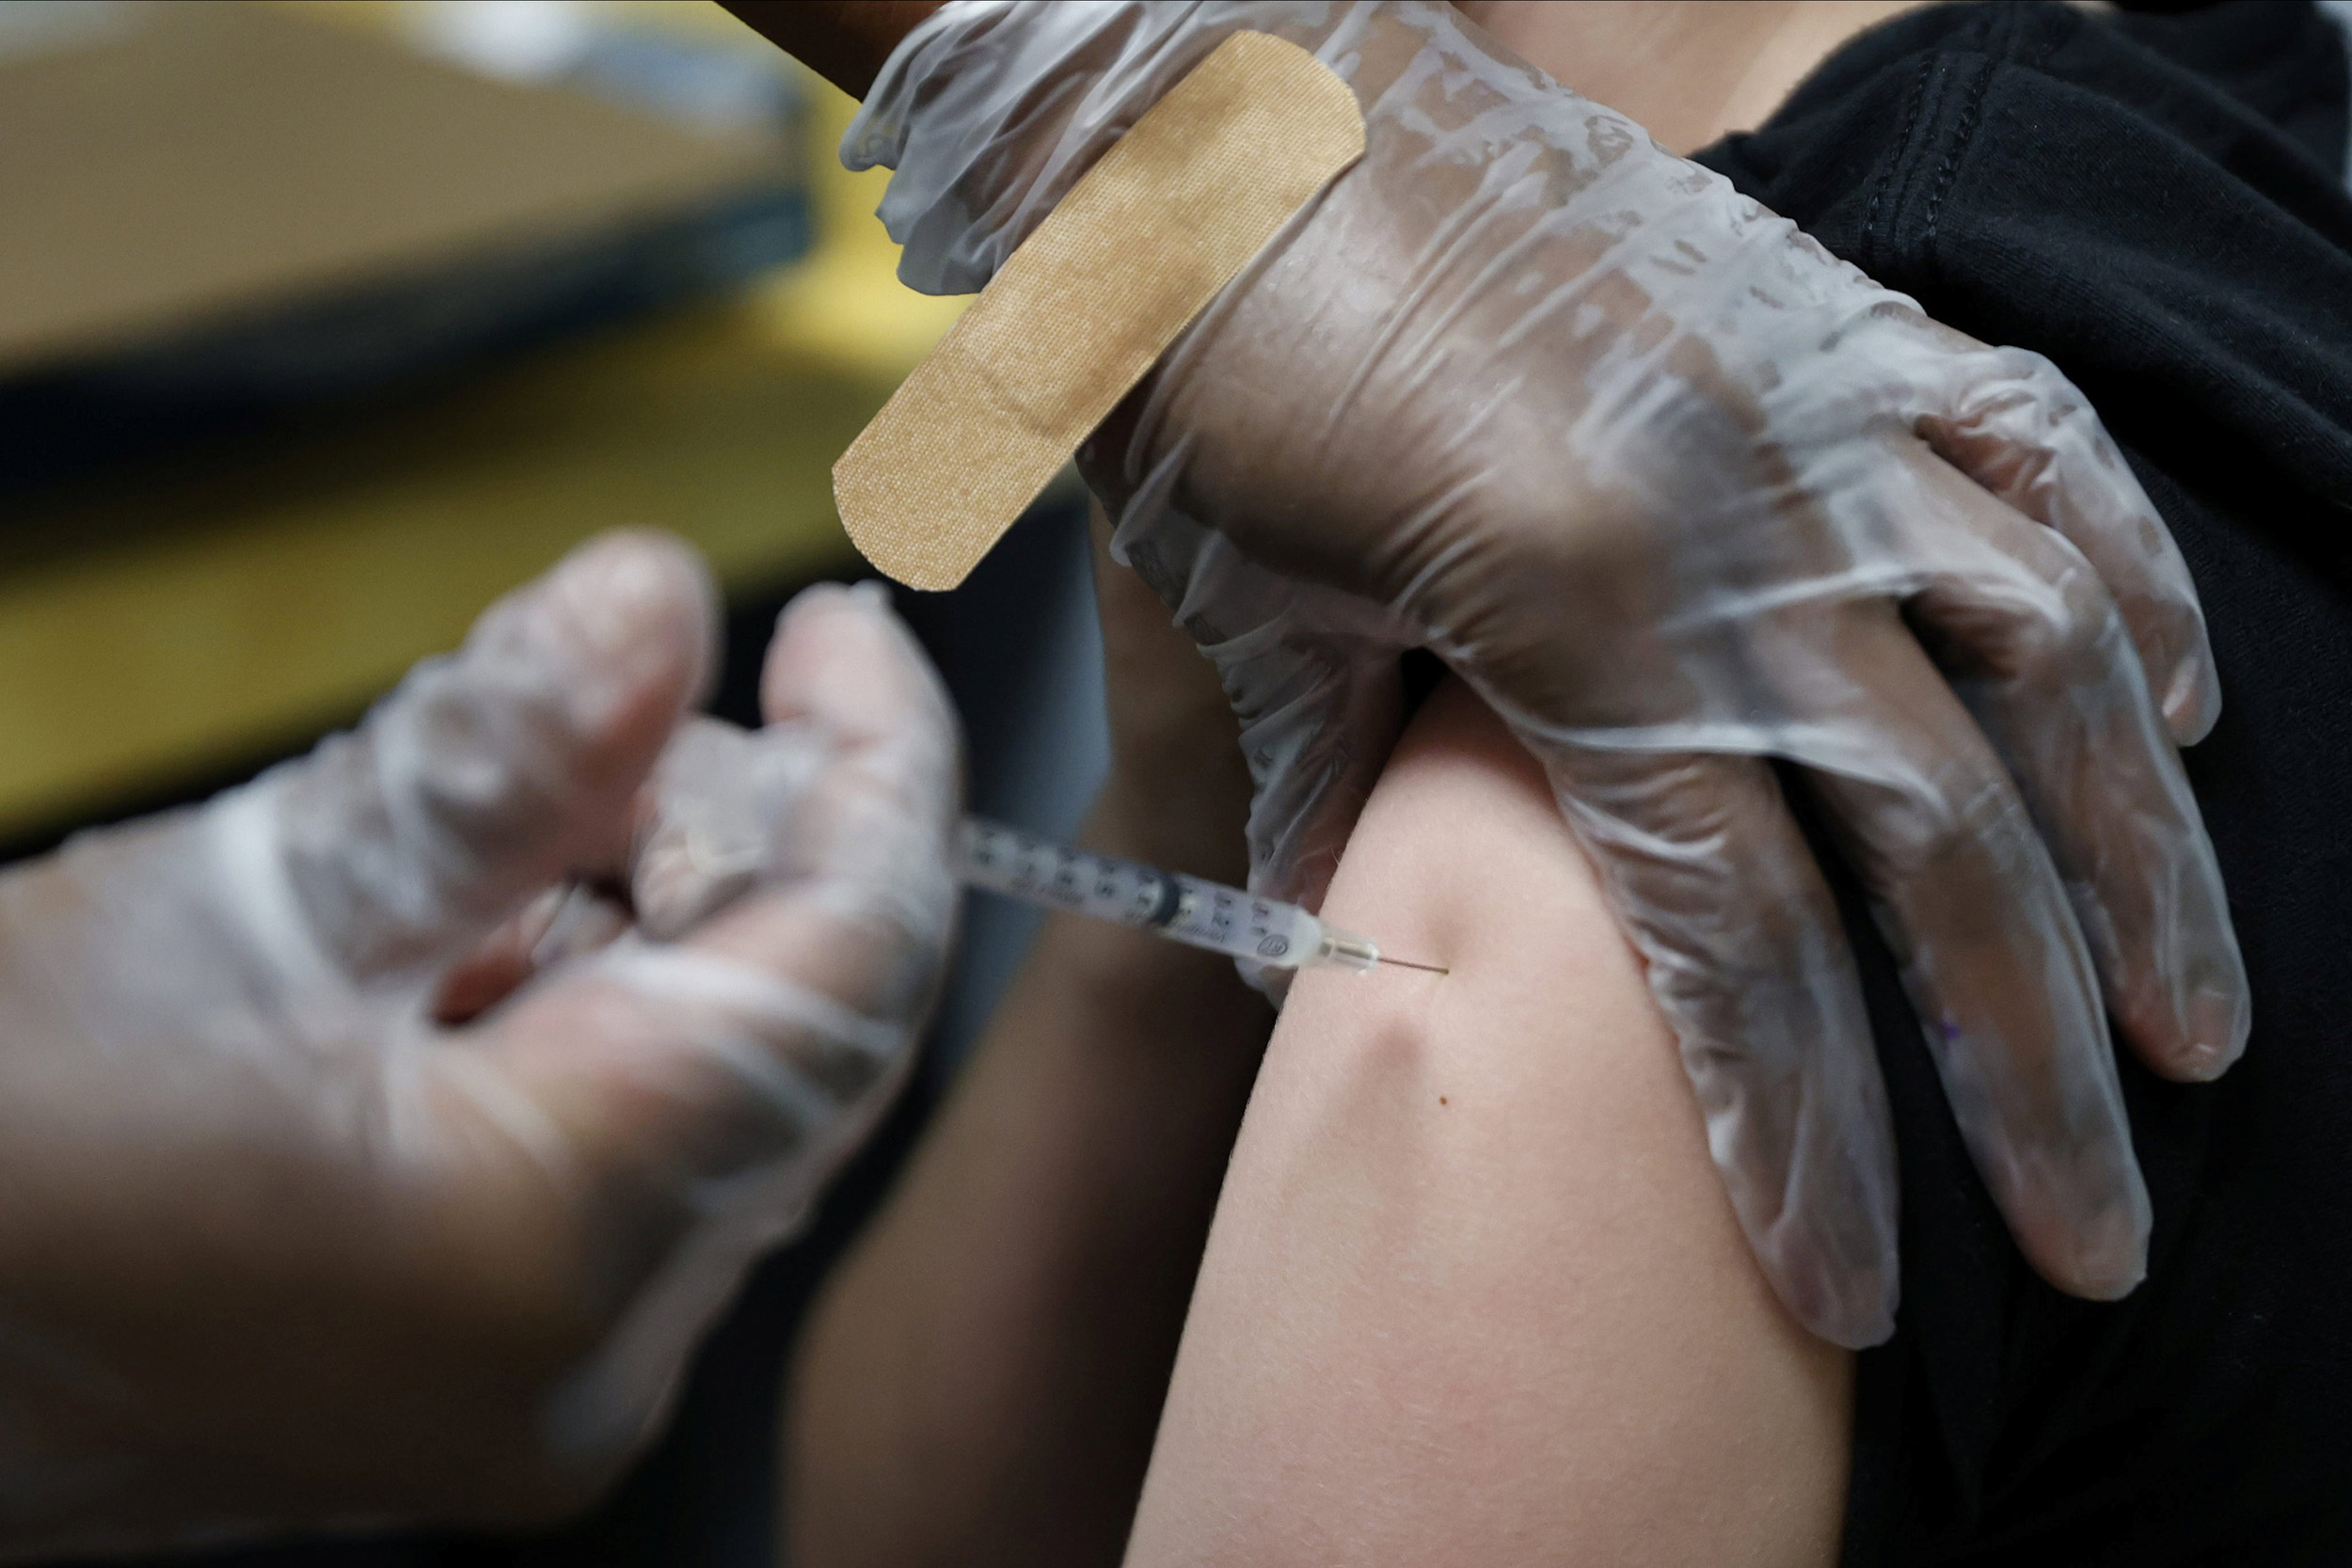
(2037, 650)
(1717, 889)
(562, 922)
(1173, 735)
(708, 822)
(1995, 964)
(1310, 675)
(768, 1036)
(2019, 428)
(1320, 712)
(487, 775)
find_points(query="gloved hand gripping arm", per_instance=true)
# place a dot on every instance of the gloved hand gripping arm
(1682, 496)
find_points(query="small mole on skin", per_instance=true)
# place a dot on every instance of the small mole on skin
(1441, 1100)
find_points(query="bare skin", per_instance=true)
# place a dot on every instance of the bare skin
(1689, 72)
(845, 41)
(1475, 1294)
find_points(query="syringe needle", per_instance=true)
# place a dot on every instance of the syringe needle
(1408, 963)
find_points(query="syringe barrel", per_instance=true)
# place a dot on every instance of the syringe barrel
(1184, 909)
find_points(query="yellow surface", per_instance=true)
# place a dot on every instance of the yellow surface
(189, 617)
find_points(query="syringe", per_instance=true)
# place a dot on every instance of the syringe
(1180, 908)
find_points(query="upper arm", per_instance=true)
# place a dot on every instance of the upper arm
(1473, 1292)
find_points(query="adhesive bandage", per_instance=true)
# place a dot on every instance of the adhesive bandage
(1088, 302)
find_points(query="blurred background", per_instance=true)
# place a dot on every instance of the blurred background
(323, 322)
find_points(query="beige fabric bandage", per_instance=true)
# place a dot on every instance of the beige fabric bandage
(1090, 302)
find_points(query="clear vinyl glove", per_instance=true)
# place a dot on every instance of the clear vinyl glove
(1725, 532)
(361, 1161)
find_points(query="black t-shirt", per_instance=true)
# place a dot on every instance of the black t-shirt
(2157, 203)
